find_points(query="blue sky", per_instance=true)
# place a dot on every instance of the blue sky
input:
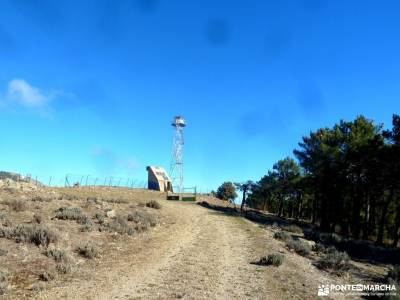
(90, 87)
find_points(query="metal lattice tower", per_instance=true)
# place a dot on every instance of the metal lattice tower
(176, 170)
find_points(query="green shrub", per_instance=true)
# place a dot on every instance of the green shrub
(299, 247)
(87, 227)
(35, 234)
(88, 251)
(6, 232)
(282, 235)
(3, 252)
(100, 218)
(334, 260)
(292, 228)
(57, 254)
(153, 204)
(72, 213)
(274, 259)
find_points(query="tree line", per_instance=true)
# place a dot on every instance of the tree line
(344, 179)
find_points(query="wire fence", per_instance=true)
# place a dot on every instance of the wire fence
(77, 180)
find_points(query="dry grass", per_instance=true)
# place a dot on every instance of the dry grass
(41, 218)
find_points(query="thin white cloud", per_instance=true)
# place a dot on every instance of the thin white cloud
(23, 93)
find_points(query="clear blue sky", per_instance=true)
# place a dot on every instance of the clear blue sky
(90, 87)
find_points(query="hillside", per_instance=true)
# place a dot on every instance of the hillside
(105, 243)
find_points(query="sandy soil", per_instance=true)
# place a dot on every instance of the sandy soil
(196, 253)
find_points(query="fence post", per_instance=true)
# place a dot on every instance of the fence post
(50, 180)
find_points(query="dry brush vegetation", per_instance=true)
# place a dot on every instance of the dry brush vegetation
(53, 235)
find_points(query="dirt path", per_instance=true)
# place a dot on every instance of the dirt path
(197, 254)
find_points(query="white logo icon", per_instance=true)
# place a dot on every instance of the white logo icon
(323, 290)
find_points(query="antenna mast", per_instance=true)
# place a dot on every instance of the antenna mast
(176, 171)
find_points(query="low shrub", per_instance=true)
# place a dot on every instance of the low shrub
(92, 200)
(100, 218)
(142, 219)
(46, 276)
(292, 228)
(35, 234)
(329, 238)
(68, 197)
(334, 260)
(87, 227)
(3, 287)
(57, 254)
(318, 248)
(282, 235)
(64, 268)
(17, 205)
(153, 204)
(116, 200)
(299, 247)
(3, 275)
(394, 274)
(72, 213)
(38, 219)
(87, 251)
(3, 252)
(3, 282)
(38, 286)
(274, 259)
(40, 199)
(119, 225)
